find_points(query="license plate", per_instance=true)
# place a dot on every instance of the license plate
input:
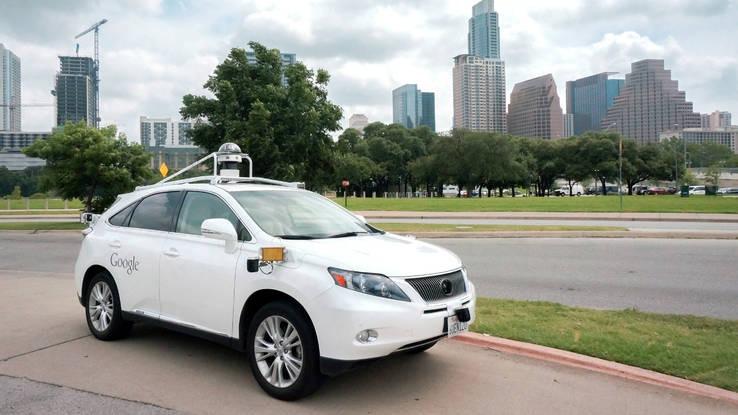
(456, 327)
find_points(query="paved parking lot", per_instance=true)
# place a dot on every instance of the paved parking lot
(50, 364)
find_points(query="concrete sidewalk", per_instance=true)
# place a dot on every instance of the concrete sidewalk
(604, 216)
(51, 345)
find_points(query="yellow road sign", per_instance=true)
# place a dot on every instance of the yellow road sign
(163, 169)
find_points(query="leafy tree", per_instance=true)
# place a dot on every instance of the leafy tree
(90, 164)
(708, 154)
(359, 170)
(573, 162)
(284, 126)
(641, 163)
(348, 141)
(16, 193)
(601, 156)
(544, 165)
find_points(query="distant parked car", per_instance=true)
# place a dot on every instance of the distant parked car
(640, 189)
(728, 191)
(657, 191)
(696, 190)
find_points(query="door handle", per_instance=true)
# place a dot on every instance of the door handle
(115, 244)
(172, 253)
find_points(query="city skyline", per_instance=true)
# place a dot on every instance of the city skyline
(192, 38)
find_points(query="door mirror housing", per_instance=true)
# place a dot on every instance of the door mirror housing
(220, 229)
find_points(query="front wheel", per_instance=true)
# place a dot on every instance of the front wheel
(103, 312)
(283, 352)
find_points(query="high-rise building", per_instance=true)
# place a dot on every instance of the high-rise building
(10, 90)
(588, 100)
(75, 90)
(169, 141)
(479, 94)
(535, 109)
(721, 119)
(484, 31)
(428, 110)
(650, 103)
(480, 97)
(725, 136)
(12, 144)
(287, 60)
(568, 125)
(358, 122)
(413, 108)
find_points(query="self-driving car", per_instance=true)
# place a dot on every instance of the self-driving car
(303, 286)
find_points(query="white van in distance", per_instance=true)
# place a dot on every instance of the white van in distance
(303, 286)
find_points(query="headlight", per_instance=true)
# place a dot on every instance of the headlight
(372, 284)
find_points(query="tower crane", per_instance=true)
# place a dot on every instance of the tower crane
(96, 29)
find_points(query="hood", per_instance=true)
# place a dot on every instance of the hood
(387, 254)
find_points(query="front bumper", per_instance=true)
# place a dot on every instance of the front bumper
(400, 325)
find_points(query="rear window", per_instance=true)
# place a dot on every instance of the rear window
(121, 218)
(155, 212)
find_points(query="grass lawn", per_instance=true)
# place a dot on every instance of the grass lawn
(701, 349)
(40, 212)
(658, 204)
(20, 204)
(41, 226)
(442, 227)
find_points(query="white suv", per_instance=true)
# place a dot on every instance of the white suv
(302, 285)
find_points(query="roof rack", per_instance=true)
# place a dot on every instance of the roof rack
(229, 155)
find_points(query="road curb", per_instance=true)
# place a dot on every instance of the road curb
(594, 364)
(574, 234)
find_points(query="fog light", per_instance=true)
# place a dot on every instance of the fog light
(367, 336)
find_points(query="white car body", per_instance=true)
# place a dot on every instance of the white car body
(697, 190)
(193, 283)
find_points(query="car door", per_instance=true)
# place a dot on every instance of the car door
(197, 273)
(135, 243)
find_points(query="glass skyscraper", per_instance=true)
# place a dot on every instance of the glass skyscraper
(588, 100)
(75, 90)
(480, 96)
(10, 90)
(413, 108)
(484, 31)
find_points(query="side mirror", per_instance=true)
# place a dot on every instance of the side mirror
(220, 229)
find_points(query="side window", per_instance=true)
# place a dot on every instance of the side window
(155, 212)
(199, 206)
(121, 218)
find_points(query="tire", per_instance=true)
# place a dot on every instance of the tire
(421, 349)
(102, 309)
(297, 361)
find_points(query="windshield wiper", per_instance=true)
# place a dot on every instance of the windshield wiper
(346, 234)
(296, 237)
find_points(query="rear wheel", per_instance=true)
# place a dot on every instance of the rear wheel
(103, 313)
(283, 352)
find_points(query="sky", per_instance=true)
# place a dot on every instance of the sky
(155, 51)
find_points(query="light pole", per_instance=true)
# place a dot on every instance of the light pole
(620, 160)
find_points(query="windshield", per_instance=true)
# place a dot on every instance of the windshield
(299, 215)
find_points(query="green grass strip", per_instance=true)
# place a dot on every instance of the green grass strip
(701, 349)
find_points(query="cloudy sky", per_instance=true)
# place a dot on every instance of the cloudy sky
(155, 51)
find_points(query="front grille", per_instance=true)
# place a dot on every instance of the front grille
(430, 288)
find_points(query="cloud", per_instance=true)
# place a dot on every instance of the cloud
(154, 52)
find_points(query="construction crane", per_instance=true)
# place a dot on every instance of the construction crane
(96, 28)
(11, 107)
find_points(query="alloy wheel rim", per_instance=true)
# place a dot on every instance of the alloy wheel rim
(278, 351)
(100, 306)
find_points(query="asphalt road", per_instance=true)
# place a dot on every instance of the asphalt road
(697, 277)
(675, 276)
(50, 364)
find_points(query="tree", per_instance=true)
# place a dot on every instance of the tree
(601, 156)
(641, 163)
(544, 165)
(90, 164)
(574, 161)
(708, 154)
(360, 171)
(283, 123)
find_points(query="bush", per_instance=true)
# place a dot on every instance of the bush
(38, 196)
